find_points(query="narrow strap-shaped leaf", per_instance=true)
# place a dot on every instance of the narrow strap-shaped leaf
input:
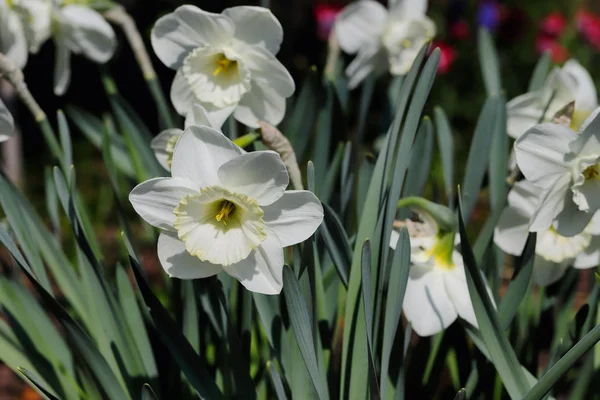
(37, 383)
(368, 304)
(298, 127)
(461, 395)
(519, 284)
(65, 141)
(148, 393)
(479, 153)
(337, 243)
(276, 379)
(540, 72)
(395, 297)
(562, 366)
(488, 60)
(501, 353)
(420, 160)
(192, 366)
(445, 143)
(498, 161)
(301, 326)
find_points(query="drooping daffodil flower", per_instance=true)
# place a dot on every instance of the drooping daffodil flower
(74, 28)
(7, 123)
(225, 61)
(382, 39)
(563, 85)
(225, 210)
(13, 42)
(565, 165)
(437, 292)
(164, 143)
(554, 253)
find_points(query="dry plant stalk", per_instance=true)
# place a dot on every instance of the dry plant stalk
(118, 16)
(14, 75)
(274, 140)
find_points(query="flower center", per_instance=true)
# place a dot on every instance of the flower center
(592, 172)
(227, 208)
(578, 118)
(224, 64)
(442, 251)
(216, 76)
(219, 226)
(554, 247)
(9, 3)
(171, 149)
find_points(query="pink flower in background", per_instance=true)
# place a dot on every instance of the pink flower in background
(325, 15)
(553, 24)
(460, 29)
(447, 56)
(588, 24)
(558, 52)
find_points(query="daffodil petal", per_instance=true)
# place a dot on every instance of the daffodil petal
(294, 217)
(182, 96)
(262, 270)
(89, 32)
(523, 113)
(370, 59)
(587, 143)
(260, 175)
(199, 154)
(541, 153)
(12, 37)
(62, 66)
(160, 143)
(359, 23)
(155, 199)
(455, 283)
(547, 272)
(571, 220)
(550, 204)
(427, 305)
(256, 25)
(186, 29)
(260, 104)
(268, 70)
(7, 124)
(590, 257)
(409, 8)
(582, 85)
(178, 263)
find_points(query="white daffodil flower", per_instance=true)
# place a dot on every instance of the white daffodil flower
(226, 210)
(225, 62)
(382, 39)
(79, 29)
(570, 83)
(7, 124)
(565, 165)
(13, 42)
(437, 292)
(164, 143)
(74, 28)
(553, 253)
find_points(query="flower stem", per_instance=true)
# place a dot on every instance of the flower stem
(14, 75)
(120, 17)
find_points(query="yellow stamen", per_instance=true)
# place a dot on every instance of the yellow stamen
(223, 64)
(442, 251)
(227, 208)
(592, 172)
(578, 118)
(406, 43)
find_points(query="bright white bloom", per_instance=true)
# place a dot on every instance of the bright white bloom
(7, 124)
(13, 43)
(570, 83)
(164, 143)
(553, 252)
(382, 40)
(226, 210)
(75, 28)
(565, 165)
(225, 61)
(437, 291)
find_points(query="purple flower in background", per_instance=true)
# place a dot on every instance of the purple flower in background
(489, 14)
